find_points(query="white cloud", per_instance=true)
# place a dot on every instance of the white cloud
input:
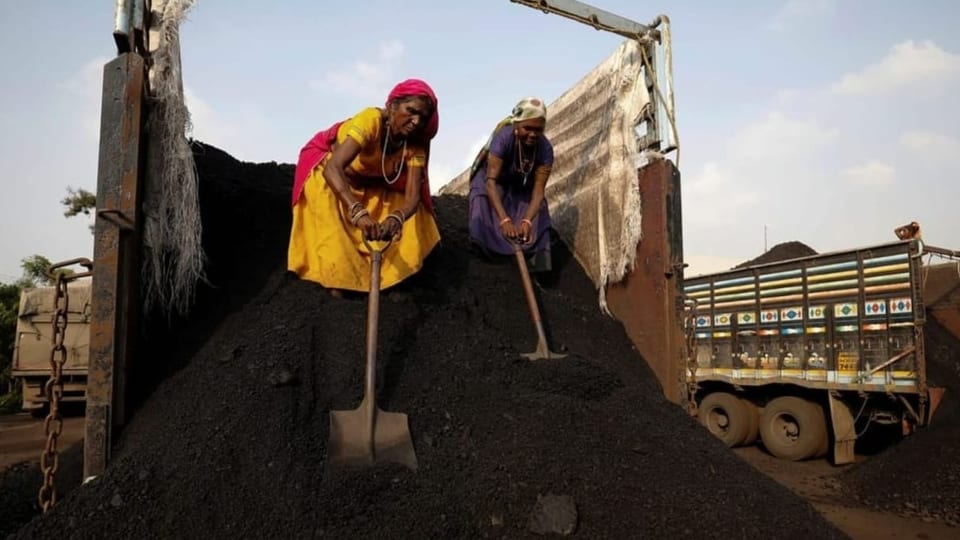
(449, 167)
(761, 161)
(923, 67)
(796, 11)
(365, 79)
(930, 145)
(778, 137)
(203, 122)
(85, 86)
(871, 174)
(232, 130)
(715, 196)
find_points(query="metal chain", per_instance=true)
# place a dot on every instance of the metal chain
(50, 459)
(53, 424)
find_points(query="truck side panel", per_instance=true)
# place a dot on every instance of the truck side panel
(849, 320)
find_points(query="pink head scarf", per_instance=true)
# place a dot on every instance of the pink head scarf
(322, 142)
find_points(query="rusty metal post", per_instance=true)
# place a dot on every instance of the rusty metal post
(649, 301)
(114, 304)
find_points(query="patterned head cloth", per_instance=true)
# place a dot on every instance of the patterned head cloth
(527, 109)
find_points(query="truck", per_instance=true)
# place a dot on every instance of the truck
(33, 344)
(805, 354)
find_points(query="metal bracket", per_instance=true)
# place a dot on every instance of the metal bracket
(118, 218)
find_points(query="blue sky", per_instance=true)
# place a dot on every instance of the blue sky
(827, 121)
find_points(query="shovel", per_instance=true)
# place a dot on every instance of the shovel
(367, 435)
(543, 351)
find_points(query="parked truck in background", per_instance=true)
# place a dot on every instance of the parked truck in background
(33, 344)
(805, 354)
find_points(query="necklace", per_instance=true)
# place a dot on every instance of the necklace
(383, 158)
(520, 160)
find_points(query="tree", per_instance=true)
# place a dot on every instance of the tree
(79, 201)
(35, 271)
(35, 274)
(9, 306)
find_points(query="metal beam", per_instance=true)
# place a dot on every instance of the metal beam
(597, 18)
(114, 306)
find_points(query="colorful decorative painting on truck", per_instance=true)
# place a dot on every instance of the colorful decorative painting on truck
(831, 319)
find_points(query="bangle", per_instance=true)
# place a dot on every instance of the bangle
(358, 216)
(504, 220)
(527, 221)
(354, 208)
(396, 218)
(399, 213)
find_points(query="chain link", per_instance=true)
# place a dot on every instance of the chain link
(53, 424)
(50, 459)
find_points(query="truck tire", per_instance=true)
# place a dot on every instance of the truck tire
(793, 428)
(753, 414)
(726, 416)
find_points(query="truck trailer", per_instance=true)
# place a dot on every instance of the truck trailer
(805, 354)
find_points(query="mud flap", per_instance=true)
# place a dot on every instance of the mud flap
(844, 431)
(936, 396)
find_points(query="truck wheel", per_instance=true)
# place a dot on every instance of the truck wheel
(726, 416)
(753, 415)
(793, 428)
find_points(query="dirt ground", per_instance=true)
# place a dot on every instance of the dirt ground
(22, 437)
(816, 481)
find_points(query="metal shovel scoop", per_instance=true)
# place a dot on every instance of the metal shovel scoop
(543, 351)
(368, 435)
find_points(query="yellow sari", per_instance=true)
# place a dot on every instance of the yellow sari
(326, 248)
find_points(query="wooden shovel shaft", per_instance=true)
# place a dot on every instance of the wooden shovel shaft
(528, 291)
(373, 316)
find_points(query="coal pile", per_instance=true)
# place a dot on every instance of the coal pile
(919, 475)
(780, 252)
(233, 442)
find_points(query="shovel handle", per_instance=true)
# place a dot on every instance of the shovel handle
(386, 245)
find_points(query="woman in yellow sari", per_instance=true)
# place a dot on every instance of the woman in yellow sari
(366, 177)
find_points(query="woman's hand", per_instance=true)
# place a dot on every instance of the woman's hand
(526, 231)
(370, 228)
(509, 230)
(390, 228)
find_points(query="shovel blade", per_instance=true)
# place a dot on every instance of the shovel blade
(350, 444)
(542, 353)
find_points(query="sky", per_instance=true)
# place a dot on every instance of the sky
(830, 122)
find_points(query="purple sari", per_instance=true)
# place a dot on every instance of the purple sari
(516, 189)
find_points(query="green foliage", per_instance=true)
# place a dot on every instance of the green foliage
(11, 402)
(78, 201)
(9, 306)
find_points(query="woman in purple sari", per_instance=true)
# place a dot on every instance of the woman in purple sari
(507, 184)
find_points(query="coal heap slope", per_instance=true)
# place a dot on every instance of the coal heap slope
(780, 252)
(234, 442)
(919, 475)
